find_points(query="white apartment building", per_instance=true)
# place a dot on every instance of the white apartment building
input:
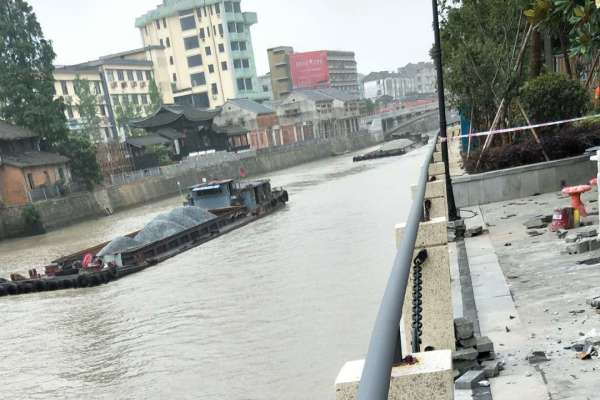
(116, 79)
(378, 84)
(208, 47)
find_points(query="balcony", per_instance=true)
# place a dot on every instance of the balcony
(250, 18)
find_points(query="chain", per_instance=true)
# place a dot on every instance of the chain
(417, 306)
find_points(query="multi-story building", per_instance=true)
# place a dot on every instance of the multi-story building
(281, 81)
(117, 80)
(312, 70)
(208, 46)
(378, 84)
(265, 86)
(423, 75)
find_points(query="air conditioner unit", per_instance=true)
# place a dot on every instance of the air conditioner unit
(113, 85)
(133, 84)
(142, 84)
(123, 85)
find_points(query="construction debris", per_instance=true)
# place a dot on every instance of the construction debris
(536, 357)
(473, 352)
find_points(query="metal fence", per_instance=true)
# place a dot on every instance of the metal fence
(385, 348)
(48, 192)
(129, 177)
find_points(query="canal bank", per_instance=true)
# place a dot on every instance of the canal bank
(270, 311)
(62, 212)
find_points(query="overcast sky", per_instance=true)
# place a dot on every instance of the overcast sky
(385, 34)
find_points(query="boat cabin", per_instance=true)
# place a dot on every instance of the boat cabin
(227, 193)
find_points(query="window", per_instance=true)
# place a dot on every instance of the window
(240, 84)
(64, 87)
(224, 65)
(217, 9)
(243, 46)
(164, 22)
(215, 88)
(210, 10)
(115, 100)
(199, 13)
(148, 75)
(236, 7)
(191, 42)
(70, 112)
(30, 180)
(237, 63)
(168, 42)
(120, 75)
(208, 50)
(202, 36)
(157, 22)
(228, 6)
(188, 23)
(162, 44)
(248, 84)
(103, 110)
(239, 27)
(174, 77)
(208, 31)
(134, 98)
(144, 98)
(125, 98)
(235, 46)
(211, 68)
(198, 79)
(221, 29)
(171, 60)
(221, 48)
(107, 133)
(130, 75)
(194, 61)
(110, 75)
(140, 75)
(245, 63)
(231, 27)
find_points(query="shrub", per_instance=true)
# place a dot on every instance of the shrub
(32, 219)
(552, 97)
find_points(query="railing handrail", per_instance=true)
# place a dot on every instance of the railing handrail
(375, 380)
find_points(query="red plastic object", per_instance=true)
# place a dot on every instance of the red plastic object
(575, 193)
(594, 182)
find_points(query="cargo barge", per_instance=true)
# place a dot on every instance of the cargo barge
(212, 209)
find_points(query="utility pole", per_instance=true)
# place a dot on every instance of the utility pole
(437, 54)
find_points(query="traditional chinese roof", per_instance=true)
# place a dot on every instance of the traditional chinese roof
(13, 132)
(34, 159)
(252, 106)
(170, 133)
(168, 114)
(150, 140)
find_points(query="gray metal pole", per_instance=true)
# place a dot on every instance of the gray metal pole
(437, 53)
(375, 380)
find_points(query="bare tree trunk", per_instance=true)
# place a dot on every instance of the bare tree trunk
(536, 54)
(564, 47)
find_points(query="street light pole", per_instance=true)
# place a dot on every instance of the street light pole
(437, 54)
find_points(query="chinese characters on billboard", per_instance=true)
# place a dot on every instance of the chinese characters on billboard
(309, 70)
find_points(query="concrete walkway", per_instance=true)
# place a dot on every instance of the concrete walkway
(530, 296)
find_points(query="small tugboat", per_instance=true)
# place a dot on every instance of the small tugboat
(212, 209)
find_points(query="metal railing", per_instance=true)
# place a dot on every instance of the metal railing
(385, 349)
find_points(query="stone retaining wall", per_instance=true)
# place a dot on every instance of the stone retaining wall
(523, 181)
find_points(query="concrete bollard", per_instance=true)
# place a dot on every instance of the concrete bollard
(435, 192)
(437, 168)
(430, 378)
(437, 157)
(438, 320)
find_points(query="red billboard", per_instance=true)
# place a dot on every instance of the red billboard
(309, 70)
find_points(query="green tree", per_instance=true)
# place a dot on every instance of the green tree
(481, 43)
(26, 74)
(125, 113)
(82, 152)
(156, 99)
(88, 108)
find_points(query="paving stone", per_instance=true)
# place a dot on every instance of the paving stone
(465, 354)
(578, 247)
(536, 357)
(588, 234)
(463, 328)
(491, 368)
(535, 223)
(475, 231)
(484, 345)
(470, 379)
(470, 342)
(594, 244)
(464, 366)
(571, 238)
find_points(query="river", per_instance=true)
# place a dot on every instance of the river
(269, 311)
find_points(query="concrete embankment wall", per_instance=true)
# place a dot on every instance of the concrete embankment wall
(64, 211)
(523, 181)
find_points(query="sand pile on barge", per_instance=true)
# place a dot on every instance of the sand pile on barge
(162, 226)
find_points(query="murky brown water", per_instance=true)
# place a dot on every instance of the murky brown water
(270, 311)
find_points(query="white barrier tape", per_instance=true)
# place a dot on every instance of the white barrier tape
(521, 128)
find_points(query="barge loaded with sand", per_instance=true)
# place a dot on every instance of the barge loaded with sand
(212, 209)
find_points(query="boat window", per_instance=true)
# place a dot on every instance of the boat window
(209, 192)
